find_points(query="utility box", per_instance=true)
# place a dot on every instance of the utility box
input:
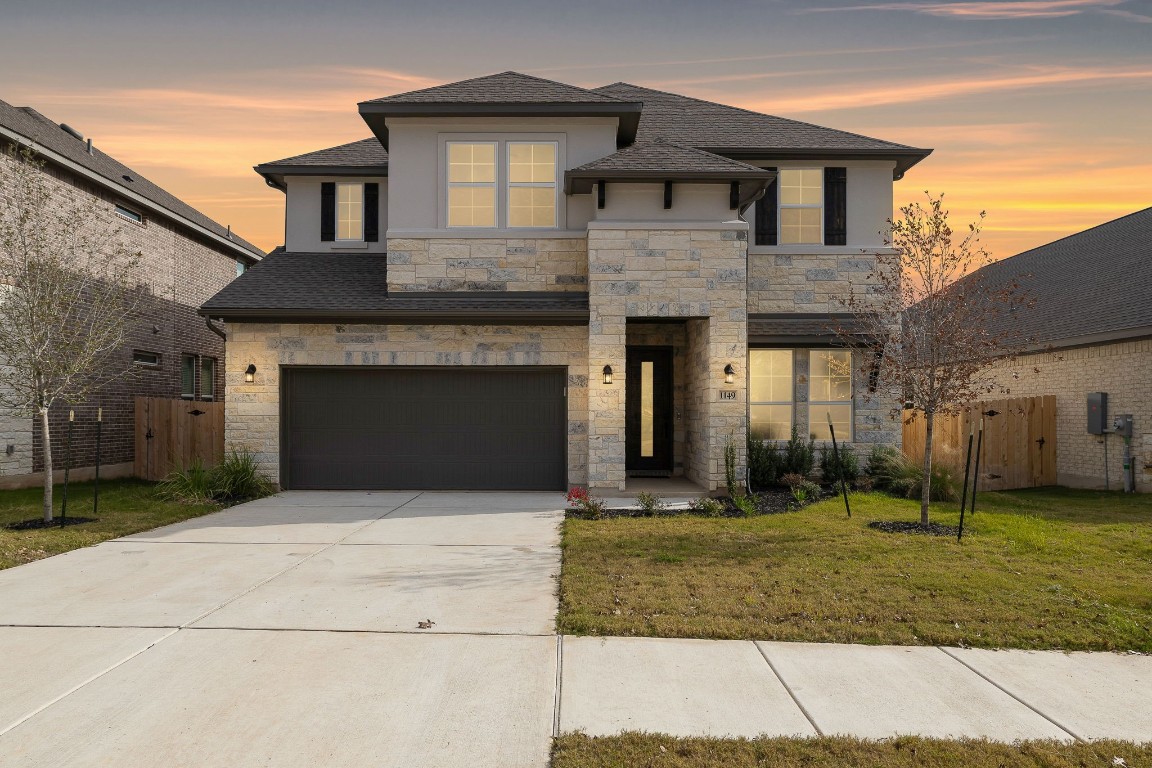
(1097, 413)
(1122, 425)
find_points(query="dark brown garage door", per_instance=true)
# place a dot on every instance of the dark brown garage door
(424, 428)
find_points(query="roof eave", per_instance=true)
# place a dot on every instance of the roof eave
(375, 114)
(402, 316)
(905, 157)
(274, 173)
(581, 182)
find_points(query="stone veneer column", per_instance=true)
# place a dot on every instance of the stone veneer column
(697, 272)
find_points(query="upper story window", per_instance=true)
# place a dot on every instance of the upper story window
(502, 183)
(472, 184)
(129, 214)
(349, 211)
(801, 206)
(241, 267)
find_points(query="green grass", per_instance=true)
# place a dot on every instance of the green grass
(126, 506)
(632, 750)
(1043, 568)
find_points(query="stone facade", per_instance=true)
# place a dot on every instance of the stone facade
(180, 273)
(1123, 370)
(698, 274)
(475, 264)
(252, 411)
(805, 282)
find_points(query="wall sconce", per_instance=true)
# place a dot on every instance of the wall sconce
(729, 374)
(607, 374)
(250, 373)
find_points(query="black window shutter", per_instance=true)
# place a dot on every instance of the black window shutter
(835, 206)
(372, 212)
(327, 211)
(766, 215)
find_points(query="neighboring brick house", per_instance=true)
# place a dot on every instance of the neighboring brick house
(185, 258)
(518, 283)
(1090, 330)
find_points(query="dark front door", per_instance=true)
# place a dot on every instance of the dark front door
(425, 428)
(648, 411)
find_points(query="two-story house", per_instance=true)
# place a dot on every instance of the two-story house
(521, 284)
(185, 258)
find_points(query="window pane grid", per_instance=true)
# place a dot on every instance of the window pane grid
(830, 393)
(472, 184)
(801, 206)
(349, 211)
(770, 394)
(531, 184)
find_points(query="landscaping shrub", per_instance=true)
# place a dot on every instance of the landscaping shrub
(799, 456)
(233, 480)
(707, 506)
(802, 488)
(581, 500)
(893, 472)
(730, 467)
(763, 463)
(745, 504)
(830, 469)
(650, 502)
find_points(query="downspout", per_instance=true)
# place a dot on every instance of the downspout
(218, 331)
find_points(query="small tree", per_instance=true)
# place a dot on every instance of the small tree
(927, 326)
(68, 293)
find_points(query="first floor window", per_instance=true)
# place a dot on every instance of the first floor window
(349, 211)
(801, 206)
(188, 376)
(770, 393)
(830, 393)
(207, 378)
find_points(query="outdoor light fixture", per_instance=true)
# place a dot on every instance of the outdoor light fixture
(607, 374)
(729, 374)
(250, 373)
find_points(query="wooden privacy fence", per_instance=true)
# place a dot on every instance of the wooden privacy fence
(173, 434)
(1019, 449)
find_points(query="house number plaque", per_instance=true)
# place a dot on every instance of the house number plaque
(727, 394)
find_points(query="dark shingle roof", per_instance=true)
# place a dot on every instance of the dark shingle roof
(48, 135)
(366, 152)
(335, 285)
(665, 156)
(1095, 283)
(502, 88)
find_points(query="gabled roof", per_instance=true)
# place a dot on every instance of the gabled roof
(507, 94)
(1089, 287)
(337, 286)
(57, 145)
(737, 132)
(661, 160)
(366, 157)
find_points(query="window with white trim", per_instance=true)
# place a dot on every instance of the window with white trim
(472, 184)
(349, 211)
(830, 393)
(801, 206)
(127, 213)
(531, 184)
(770, 393)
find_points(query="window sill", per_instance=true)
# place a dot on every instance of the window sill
(494, 233)
(818, 250)
(349, 245)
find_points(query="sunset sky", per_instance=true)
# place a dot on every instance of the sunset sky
(1040, 111)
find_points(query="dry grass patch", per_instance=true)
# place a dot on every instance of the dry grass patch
(654, 751)
(1045, 568)
(126, 507)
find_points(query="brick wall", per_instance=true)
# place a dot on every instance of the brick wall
(473, 264)
(180, 274)
(1124, 371)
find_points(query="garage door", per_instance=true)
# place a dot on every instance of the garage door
(424, 428)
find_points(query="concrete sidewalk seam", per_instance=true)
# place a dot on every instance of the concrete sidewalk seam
(91, 679)
(803, 710)
(1009, 693)
(558, 686)
(297, 564)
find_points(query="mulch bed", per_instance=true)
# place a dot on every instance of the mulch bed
(932, 529)
(31, 525)
(772, 502)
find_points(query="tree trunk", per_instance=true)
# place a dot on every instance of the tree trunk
(926, 486)
(46, 442)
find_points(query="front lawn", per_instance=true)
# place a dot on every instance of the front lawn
(126, 506)
(1042, 568)
(634, 750)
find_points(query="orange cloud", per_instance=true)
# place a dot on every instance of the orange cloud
(1022, 9)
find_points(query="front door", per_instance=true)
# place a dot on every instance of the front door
(648, 410)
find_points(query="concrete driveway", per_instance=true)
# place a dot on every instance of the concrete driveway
(286, 632)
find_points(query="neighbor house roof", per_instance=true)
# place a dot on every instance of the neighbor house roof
(338, 286)
(27, 126)
(366, 157)
(733, 131)
(508, 94)
(1093, 286)
(661, 160)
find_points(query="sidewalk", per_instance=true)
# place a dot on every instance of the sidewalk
(739, 688)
